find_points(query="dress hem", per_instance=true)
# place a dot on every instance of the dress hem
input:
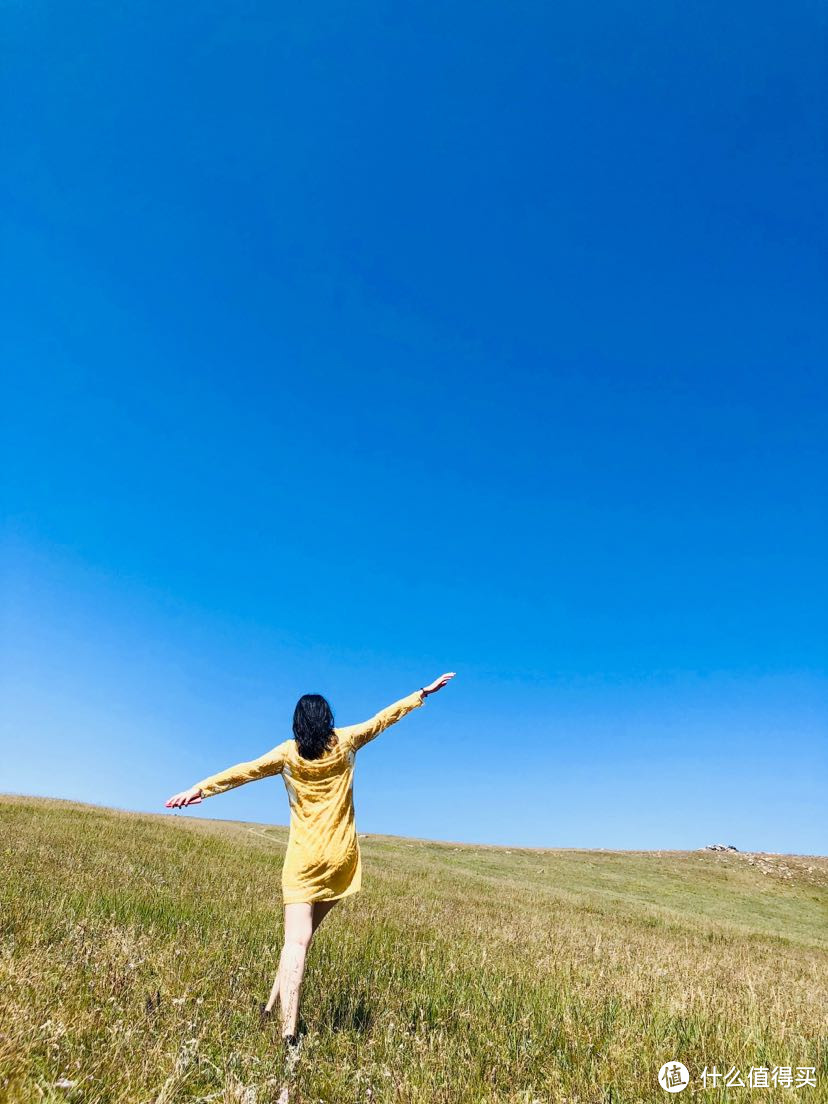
(291, 899)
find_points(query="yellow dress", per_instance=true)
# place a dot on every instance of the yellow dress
(323, 861)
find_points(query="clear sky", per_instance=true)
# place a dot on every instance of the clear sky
(350, 344)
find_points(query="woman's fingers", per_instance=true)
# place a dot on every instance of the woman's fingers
(186, 797)
(440, 682)
(193, 796)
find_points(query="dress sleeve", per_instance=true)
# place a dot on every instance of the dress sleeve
(356, 736)
(271, 762)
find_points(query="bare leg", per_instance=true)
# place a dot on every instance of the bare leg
(320, 911)
(274, 992)
(298, 933)
(297, 941)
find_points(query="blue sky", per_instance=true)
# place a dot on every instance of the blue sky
(349, 346)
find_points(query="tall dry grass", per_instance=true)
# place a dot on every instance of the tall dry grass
(136, 949)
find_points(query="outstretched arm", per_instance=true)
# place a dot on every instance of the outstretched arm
(271, 762)
(358, 735)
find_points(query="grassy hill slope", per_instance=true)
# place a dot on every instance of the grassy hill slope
(459, 974)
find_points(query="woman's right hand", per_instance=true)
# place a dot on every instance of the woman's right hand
(186, 797)
(438, 683)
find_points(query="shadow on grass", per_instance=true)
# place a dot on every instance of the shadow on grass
(348, 1013)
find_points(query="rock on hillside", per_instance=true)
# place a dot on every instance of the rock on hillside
(812, 869)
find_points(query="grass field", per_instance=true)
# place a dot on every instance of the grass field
(459, 974)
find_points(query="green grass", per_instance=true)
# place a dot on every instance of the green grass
(459, 974)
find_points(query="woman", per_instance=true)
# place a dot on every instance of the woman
(322, 863)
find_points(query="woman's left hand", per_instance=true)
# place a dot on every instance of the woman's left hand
(186, 797)
(438, 684)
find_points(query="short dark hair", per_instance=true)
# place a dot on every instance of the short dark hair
(312, 726)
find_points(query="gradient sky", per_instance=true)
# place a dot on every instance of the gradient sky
(352, 344)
